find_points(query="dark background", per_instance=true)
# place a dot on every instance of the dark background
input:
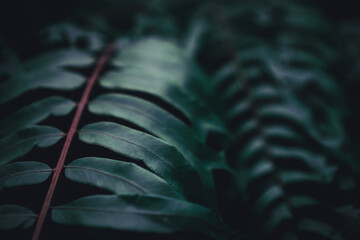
(20, 19)
(20, 22)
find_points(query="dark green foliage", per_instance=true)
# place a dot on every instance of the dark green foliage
(224, 122)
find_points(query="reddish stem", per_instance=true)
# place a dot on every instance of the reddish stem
(60, 164)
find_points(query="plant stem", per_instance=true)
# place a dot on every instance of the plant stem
(104, 58)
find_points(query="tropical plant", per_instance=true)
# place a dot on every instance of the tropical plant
(227, 124)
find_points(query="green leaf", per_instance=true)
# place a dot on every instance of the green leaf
(118, 177)
(280, 132)
(299, 201)
(35, 113)
(158, 155)
(160, 68)
(58, 59)
(194, 108)
(164, 125)
(249, 126)
(155, 120)
(292, 115)
(266, 93)
(21, 142)
(278, 215)
(269, 195)
(261, 169)
(193, 37)
(12, 216)
(252, 150)
(289, 177)
(23, 173)
(51, 79)
(273, 59)
(239, 109)
(140, 214)
(317, 163)
(150, 50)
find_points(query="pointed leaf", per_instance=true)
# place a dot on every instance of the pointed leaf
(277, 216)
(52, 79)
(260, 169)
(313, 161)
(35, 113)
(289, 177)
(23, 173)
(160, 68)
(21, 142)
(118, 177)
(299, 201)
(155, 120)
(252, 149)
(149, 51)
(58, 59)
(269, 195)
(194, 108)
(12, 216)
(293, 115)
(139, 213)
(159, 156)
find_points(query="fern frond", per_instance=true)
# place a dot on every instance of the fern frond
(177, 161)
(277, 146)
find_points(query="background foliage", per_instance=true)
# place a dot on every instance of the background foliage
(211, 119)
